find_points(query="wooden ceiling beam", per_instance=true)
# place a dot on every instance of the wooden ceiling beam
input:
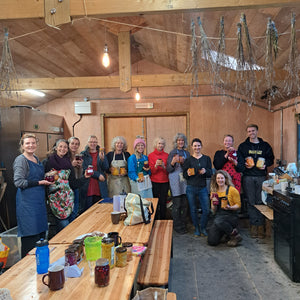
(20, 9)
(96, 82)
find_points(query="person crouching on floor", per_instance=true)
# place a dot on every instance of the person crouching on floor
(225, 203)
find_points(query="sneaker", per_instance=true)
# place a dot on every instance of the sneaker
(203, 232)
(234, 240)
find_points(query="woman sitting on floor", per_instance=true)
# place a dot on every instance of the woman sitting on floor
(225, 203)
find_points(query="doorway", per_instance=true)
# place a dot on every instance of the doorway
(148, 125)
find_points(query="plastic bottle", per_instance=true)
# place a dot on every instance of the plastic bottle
(42, 256)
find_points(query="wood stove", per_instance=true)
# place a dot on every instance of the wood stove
(286, 208)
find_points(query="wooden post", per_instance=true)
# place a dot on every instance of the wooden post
(124, 61)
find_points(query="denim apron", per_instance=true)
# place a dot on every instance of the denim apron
(30, 204)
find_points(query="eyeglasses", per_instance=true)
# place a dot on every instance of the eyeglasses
(93, 142)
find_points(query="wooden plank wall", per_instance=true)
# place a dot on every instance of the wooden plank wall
(210, 119)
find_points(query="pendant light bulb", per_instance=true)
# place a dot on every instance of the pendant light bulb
(137, 95)
(105, 57)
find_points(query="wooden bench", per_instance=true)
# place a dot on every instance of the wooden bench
(155, 264)
(171, 296)
(268, 213)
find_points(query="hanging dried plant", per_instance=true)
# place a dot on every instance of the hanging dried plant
(240, 62)
(250, 83)
(206, 60)
(292, 83)
(222, 64)
(8, 75)
(194, 68)
(271, 50)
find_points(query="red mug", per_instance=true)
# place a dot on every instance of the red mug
(56, 278)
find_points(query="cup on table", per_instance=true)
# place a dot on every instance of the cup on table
(116, 237)
(115, 217)
(56, 278)
(92, 245)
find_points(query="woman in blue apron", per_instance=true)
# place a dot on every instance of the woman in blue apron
(30, 199)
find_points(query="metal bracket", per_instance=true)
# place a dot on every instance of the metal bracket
(57, 12)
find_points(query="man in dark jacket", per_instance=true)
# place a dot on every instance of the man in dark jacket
(254, 156)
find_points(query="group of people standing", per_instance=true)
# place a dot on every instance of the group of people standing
(82, 179)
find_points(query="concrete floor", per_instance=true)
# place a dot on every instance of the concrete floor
(249, 271)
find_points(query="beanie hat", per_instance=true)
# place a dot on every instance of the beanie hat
(139, 140)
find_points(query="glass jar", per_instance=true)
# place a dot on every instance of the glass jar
(108, 250)
(102, 272)
(90, 169)
(121, 257)
(71, 255)
(128, 246)
(79, 244)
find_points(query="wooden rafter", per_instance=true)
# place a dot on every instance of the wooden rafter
(19, 9)
(93, 82)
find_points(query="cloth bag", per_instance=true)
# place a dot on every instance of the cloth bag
(151, 293)
(61, 196)
(138, 210)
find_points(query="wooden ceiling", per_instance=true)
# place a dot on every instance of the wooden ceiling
(62, 58)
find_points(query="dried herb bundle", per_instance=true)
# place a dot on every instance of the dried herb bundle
(271, 50)
(222, 67)
(292, 83)
(8, 75)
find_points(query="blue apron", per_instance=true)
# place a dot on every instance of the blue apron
(31, 205)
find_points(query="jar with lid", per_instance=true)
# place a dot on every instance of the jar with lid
(108, 250)
(79, 244)
(71, 254)
(90, 169)
(128, 246)
(121, 257)
(102, 272)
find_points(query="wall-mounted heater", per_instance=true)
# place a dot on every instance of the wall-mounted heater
(83, 108)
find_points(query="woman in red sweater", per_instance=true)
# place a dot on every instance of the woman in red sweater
(159, 175)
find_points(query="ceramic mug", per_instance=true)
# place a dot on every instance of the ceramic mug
(56, 278)
(115, 217)
(116, 237)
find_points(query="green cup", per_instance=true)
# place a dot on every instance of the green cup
(92, 246)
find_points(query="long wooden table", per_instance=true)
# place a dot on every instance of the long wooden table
(24, 283)
(97, 218)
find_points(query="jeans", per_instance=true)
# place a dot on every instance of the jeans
(160, 191)
(252, 186)
(192, 192)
